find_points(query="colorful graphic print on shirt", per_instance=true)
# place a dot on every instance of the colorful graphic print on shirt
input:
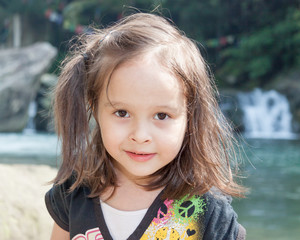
(177, 220)
(92, 234)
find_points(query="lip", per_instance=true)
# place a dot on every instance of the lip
(140, 156)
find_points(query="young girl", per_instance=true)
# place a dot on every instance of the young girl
(157, 163)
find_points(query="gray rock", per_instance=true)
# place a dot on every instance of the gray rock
(44, 118)
(231, 109)
(20, 71)
(288, 84)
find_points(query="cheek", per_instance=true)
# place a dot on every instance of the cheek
(112, 134)
(179, 130)
(173, 144)
(174, 138)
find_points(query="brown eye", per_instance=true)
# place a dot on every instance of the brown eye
(161, 116)
(122, 114)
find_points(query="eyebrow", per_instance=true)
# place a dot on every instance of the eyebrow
(120, 104)
(113, 104)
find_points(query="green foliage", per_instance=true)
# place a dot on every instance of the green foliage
(78, 12)
(265, 52)
(266, 36)
(102, 12)
(266, 33)
(35, 7)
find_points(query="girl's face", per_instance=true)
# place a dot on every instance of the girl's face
(142, 117)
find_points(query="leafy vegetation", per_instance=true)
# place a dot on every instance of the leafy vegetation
(247, 42)
(262, 54)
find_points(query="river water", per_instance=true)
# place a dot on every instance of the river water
(272, 209)
(272, 169)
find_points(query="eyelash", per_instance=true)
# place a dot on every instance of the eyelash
(117, 113)
(165, 114)
(156, 117)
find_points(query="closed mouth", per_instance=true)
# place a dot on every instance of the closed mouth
(140, 153)
(140, 156)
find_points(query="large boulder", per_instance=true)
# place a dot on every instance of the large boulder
(20, 71)
(231, 108)
(44, 121)
(23, 214)
(288, 84)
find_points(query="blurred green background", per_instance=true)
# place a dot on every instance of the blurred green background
(247, 43)
(251, 46)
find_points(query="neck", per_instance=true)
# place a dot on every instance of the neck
(129, 195)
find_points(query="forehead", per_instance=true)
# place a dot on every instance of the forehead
(146, 79)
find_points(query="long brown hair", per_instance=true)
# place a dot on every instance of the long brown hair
(205, 158)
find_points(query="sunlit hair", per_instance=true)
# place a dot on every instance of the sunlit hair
(204, 160)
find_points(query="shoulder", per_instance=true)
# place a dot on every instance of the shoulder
(220, 220)
(60, 194)
(59, 200)
(215, 200)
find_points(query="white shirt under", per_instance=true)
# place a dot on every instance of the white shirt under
(121, 224)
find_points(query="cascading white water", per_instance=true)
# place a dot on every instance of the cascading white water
(32, 109)
(266, 114)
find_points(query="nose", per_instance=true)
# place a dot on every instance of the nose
(140, 133)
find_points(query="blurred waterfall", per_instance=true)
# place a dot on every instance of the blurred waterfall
(266, 114)
(32, 109)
